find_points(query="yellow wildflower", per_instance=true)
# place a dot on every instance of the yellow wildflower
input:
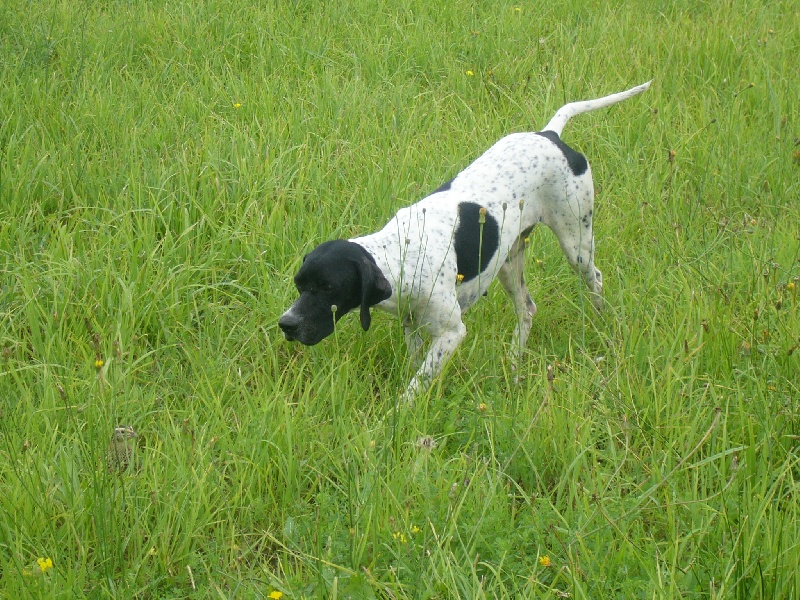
(237, 105)
(482, 407)
(459, 278)
(45, 564)
(400, 537)
(415, 529)
(470, 73)
(98, 364)
(545, 561)
(275, 595)
(790, 286)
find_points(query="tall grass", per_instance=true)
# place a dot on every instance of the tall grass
(165, 165)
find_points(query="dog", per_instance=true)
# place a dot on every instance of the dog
(436, 258)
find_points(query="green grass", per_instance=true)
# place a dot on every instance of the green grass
(165, 165)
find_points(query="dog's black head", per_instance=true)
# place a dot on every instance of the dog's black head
(336, 273)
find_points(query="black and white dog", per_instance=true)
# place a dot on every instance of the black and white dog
(437, 257)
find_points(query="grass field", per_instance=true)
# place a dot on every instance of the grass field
(165, 165)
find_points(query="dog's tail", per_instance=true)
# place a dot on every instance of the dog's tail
(566, 112)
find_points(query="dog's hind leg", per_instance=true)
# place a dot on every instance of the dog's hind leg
(574, 231)
(512, 278)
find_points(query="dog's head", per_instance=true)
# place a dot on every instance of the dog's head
(336, 273)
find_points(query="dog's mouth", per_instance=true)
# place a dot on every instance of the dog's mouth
(306, 338)
(296, 329)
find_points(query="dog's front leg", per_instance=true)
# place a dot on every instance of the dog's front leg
(413, 339)
(442, 347)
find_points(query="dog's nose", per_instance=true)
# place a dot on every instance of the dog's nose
(289, 324)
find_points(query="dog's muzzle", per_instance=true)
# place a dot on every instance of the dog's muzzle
(290, 325)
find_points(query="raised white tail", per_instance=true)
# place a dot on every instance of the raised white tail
(566, 112)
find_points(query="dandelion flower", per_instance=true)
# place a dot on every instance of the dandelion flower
(470, 73)
(237, 105)
(545, 561)
(275, 595)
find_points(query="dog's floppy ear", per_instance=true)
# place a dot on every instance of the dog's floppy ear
(374, 288)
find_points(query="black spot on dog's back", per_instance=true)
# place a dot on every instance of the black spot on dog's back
(576, 161)
(442, 188)
(475, 242)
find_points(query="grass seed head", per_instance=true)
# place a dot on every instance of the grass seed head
(426, 443)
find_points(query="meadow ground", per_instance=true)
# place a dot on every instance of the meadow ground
(165, 165)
